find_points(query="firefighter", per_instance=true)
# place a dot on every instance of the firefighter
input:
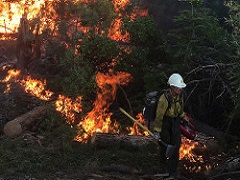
(167, 124)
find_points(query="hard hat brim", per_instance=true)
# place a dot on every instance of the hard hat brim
(182, 85)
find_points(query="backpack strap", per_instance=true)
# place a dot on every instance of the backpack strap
(168, 96)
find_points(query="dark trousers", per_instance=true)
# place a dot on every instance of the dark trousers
(170, 134)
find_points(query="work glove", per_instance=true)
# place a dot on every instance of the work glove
(156, 135)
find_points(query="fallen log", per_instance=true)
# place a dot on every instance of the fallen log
(107, 138)
(21, 123)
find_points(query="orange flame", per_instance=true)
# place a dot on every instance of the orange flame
(135, 130)
(120, 4)
(68, 107)
(11, 13)
(186, 150)
(98, 120)
(36, 88)
(12, 75)
(115, 31)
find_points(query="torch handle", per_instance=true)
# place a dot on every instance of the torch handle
(134, 120)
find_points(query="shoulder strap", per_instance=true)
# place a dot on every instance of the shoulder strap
(168, 96)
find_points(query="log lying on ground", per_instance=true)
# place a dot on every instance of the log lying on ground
(21, 123)
(135, 140)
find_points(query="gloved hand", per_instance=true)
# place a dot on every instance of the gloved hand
(156, 135)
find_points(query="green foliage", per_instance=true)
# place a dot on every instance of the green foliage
(54, 48)
(147, 45)
(98, 14)
(199, 38)
(79, 79)
(49, 122)
(145, 35)
(141, 29)
(155, 80)
(100, 51)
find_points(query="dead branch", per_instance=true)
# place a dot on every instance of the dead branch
(217, 65)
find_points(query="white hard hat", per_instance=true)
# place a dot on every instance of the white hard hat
(176, 80)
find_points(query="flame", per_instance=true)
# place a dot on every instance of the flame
(11, 13)
(99, 119)
(197, 163)
(120, 4)
(36, 88)
(115, 31)
(12, 75)
(186, 150)
(68, 108)
(135, 129)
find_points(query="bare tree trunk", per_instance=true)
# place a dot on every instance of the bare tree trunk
(28, 44)
(23, 43)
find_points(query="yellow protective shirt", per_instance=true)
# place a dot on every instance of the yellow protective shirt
(175, 110)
